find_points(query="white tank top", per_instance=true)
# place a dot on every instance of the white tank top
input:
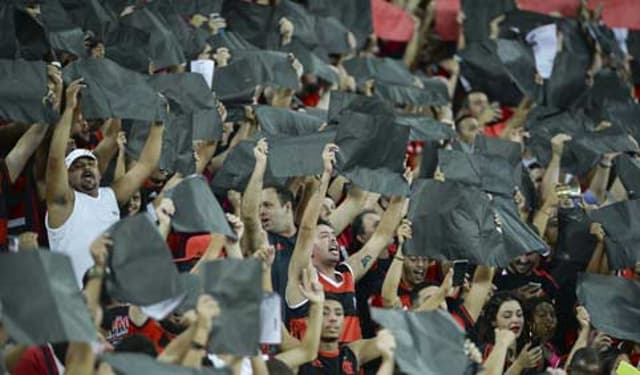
(89, 219)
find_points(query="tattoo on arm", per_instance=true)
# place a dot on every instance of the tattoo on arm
(366, 260)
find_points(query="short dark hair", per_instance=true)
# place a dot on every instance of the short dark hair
(415, 292)
(332, 297)
(584, 361)
(461, 117)
(324, 222)
(137, 344)
(608, 359)
(357, 228)
(284, 194)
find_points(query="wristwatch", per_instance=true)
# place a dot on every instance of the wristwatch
(96, 272)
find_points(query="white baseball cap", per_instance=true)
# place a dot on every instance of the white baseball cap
(77, 154)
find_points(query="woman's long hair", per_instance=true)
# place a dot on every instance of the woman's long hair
(489, 314)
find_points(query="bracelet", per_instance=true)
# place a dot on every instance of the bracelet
(197, 346)
(605, 165)
(95, 272)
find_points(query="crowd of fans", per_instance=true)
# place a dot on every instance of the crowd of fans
(420, 189)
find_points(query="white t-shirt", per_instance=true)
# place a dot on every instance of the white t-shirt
(89, 219)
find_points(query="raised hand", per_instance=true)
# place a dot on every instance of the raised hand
(602, 341)
(504, 337)
(529, 357)
(472, 351)
(267, 255)
(310, 287)
(597, 230)
(260, 151)
(583, 317)
(286, 30)
(207, 307)
(558, 141)
(236, 224)
(100, 250)
(122, 140)
(72, 93)
(165, 211)
(329, 157)
(404, 232)
(28, 241)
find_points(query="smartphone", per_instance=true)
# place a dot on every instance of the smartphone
(459, 271)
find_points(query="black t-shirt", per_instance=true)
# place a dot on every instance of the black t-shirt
(280, 268)
(369, 286)
(343, 362)
(116, 323)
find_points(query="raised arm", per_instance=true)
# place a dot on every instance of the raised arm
(22, 151)
(204, 152)
(435, 301)
(390, 297)
(175, 352)
(494, 364)
(597, 263)
(480, 288)
(266, 256)
(387, 348)
(80, 359)
(251, 198)
(552, 173)
(368, 350)
(362, 261)
(309, 186)
(583, 336)
(164, 212)
(108, 147)
(60, 197)
(232, 246)
(121, 162)
(207, 310)
(544, 213)
(307, 351)
(211, 253)
(600, 180)
(99, 252)
(126, 186)
(301, 257)
(344, 214)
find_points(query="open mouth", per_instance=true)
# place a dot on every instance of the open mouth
(334, 250)
(332, 330)
(515, 328)
(265, 222)
(88, 176)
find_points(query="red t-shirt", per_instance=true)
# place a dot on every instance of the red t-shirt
(494, 130)
(37, 360)
(154, 331)
(345, 291)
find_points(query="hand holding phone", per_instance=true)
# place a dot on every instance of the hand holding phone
(460, 268)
